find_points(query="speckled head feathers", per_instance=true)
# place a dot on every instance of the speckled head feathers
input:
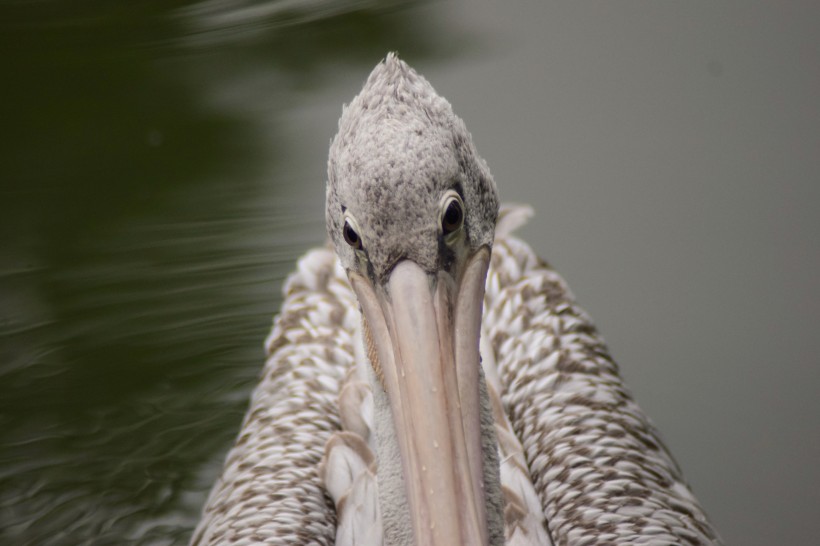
(399, 148)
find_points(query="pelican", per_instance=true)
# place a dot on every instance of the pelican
(429, 379)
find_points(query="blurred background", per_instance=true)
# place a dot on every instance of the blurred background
(164, 166)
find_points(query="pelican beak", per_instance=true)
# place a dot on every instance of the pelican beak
(425, 331)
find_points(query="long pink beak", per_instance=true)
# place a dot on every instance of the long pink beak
(426, 332)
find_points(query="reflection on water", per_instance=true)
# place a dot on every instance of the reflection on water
(146, 223)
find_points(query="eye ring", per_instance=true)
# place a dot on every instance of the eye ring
(452, 213)
(351, 236)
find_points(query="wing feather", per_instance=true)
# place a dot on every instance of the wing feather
(599, 466)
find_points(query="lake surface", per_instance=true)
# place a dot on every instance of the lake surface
(163, 168)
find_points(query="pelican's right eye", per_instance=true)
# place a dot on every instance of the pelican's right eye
(351, 237)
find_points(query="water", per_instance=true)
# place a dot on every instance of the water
(163, 167)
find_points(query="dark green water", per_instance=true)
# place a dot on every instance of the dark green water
(149, 208)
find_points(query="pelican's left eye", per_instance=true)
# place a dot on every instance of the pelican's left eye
(453, 214)
(351, 237)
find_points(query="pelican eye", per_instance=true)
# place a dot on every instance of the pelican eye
(351, 237)
(453, 216)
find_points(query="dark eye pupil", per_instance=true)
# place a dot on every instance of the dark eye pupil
(351, 237)
(452, 217)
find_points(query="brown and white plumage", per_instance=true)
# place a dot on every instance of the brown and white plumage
(269, 491)
(580, 462)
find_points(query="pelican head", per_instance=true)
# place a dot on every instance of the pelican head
(411, 211)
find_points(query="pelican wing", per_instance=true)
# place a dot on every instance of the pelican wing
(270, 491)
(598, 464)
